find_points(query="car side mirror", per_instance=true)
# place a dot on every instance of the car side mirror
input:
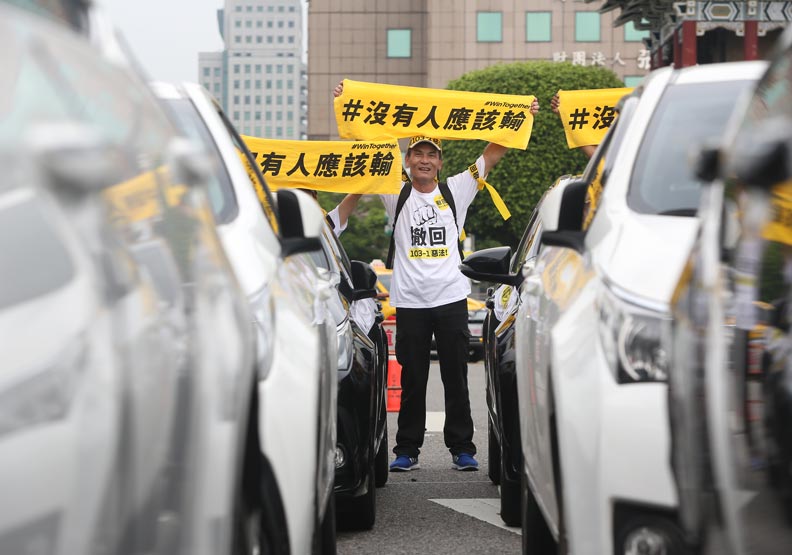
(490, 265)
(76, 157)
(301, 222)
(706, 165)
(561, 211)
(759, 158)
(364, 280)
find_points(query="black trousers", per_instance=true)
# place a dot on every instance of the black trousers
(414, 329)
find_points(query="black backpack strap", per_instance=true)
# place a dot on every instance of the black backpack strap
(449, 198)
(403, 194)
(330, 221)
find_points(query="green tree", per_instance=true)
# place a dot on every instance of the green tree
(523, 175)
(364, 238)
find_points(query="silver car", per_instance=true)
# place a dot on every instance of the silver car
(128, 354)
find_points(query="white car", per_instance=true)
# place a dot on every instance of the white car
(126, 345)
(297, 385)
(593, 305)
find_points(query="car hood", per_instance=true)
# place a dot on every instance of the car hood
(644, 254)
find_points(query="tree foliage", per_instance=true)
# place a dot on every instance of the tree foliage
(364, 238)
(522, 177)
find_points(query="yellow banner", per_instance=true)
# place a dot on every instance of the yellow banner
(140, 198)
(374, 111)
(334, 166)
(587, 115)
(779, 228)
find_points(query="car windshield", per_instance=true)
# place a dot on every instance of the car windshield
(688, 115)
(385, 279)
(221, 192)
(33, 260)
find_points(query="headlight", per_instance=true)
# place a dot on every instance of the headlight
(345, 347)
(264, 325)
(47, 395)
(633, 338)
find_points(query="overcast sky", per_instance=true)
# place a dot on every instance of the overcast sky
(166, 35)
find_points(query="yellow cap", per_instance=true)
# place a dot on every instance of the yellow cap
(423, 139)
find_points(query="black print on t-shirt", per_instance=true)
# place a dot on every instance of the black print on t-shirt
(426, 214)
(437, 236)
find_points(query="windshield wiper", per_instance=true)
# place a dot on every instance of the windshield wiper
(689, 212)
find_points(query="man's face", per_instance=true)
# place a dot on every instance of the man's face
(424, 162)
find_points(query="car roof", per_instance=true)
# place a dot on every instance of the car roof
(713, 73)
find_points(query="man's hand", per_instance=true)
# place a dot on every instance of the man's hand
(339, 89)
(555, 102)
(534, 107)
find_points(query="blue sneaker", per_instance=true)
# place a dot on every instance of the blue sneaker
(403, 463)
(463, 461)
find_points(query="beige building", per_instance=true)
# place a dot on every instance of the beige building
(259, 76)
(427, 43)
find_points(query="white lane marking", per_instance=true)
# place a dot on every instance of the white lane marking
(435, 421)
(487, 510)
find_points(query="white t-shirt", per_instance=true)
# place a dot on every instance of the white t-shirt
(426, 258)
(338, 229)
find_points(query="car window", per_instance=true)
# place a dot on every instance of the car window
(601, 164)
(385, 280)
(221, 192)
(527, 244)
(33, 259)
(256, 179)
(687, 115)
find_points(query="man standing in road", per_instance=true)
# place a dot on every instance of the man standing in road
(430, 295)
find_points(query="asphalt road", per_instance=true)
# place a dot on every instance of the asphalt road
(437, 509)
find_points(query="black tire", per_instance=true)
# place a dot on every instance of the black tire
(510, 497)
(327, 529)
(493, 457)
(536, 536)
(360, 513)
(381, 470)
(671, 532)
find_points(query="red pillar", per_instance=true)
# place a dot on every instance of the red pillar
(689, 57)
(750, 41)
(677, 49)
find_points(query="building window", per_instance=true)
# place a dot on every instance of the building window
(280, 40)
(489, 27)
(587, 26)
(280, 24)
(280, 9)
(279, 83)
(291, 40)
(217, 72)
(236, 83)
(206, 72)
(237, 38)
(249, 8)
(269, 68)
(248, 23)
(289, 100)
(257, 116)
(247, 68)
(258, 39)
(238, 9)
(399, 43)
(248, 39)
(289, 68)
(247, 99)
(236, 116)
(238, 23)
(259, 8)
(538, 27)
(291, 24)
(258, 99)
(236, 99)
(268, 116)
(258, 68)
(247, 116)
(236, 68)
(269, 39)
(632, 80)
(258, 131)
(247, 83)
(269, 24)
(631, 34)
(258, 84)
(259, 24)
(217, 88)
(279, 68)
